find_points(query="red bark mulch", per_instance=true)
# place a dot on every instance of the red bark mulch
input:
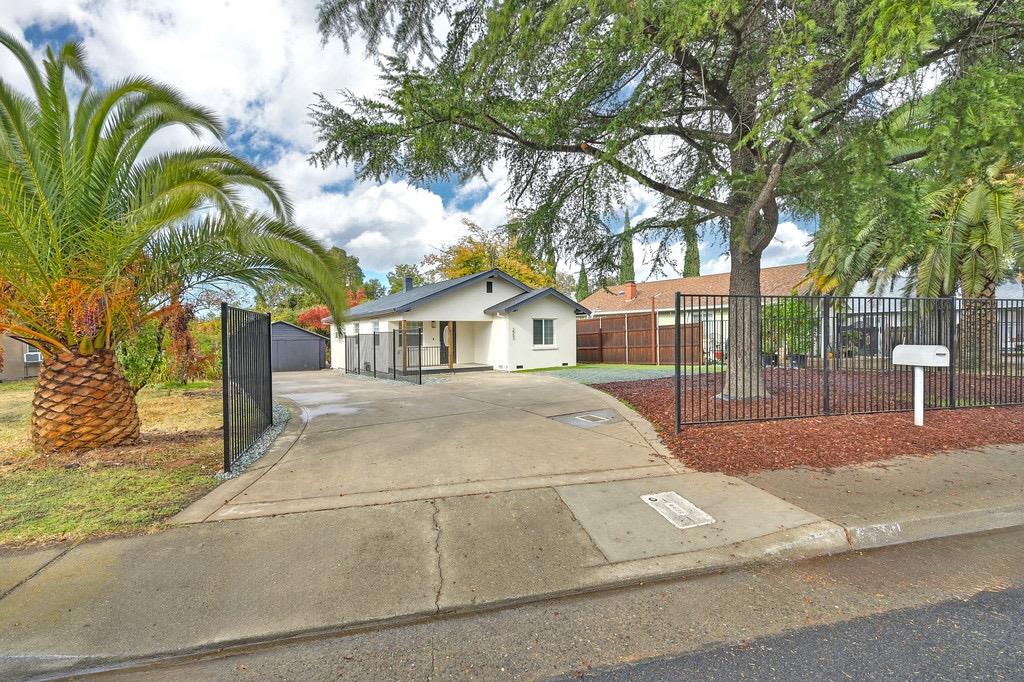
(823, 442)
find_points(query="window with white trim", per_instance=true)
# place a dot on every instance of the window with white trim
(543, 332)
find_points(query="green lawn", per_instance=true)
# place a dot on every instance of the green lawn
(601, 374)
(110, 491)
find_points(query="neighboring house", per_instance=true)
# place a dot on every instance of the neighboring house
(874, 323)
(295, 349)
(642, 297)
(20, 360)
(484, 320)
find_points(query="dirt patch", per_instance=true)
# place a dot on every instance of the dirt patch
(170, 450)
(824, 442)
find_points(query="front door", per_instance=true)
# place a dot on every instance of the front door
(447, 334)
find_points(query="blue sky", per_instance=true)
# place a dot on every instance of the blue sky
(259, 63)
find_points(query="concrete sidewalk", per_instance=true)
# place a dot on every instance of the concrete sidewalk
(264, 577)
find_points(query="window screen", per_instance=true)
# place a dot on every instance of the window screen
(543, 332)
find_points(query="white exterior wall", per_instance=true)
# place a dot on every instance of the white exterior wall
(521, 352)
(467, 303)
(502, 341)
(497, 344)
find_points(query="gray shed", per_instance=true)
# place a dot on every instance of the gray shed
(294, 349)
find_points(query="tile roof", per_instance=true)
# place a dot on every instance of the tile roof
(406, 300)
(515, 302)
(775, 281)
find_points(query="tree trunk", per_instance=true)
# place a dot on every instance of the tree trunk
(83, 402)
(979, 344)
(743, 378)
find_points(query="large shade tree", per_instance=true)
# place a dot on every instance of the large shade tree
(97, 237)
(717, 108)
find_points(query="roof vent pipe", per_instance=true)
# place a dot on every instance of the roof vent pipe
(408, 283)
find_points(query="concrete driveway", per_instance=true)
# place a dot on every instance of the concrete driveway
(357, 441)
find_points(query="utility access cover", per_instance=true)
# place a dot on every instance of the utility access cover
(679, 511)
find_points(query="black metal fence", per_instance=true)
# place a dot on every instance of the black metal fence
(774, 357)
(248, 392)
(396, 354)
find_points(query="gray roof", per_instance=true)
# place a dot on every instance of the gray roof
(525, 298)
(289, 330)
(407, 300)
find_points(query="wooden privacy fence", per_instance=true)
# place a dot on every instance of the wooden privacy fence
(635, 339)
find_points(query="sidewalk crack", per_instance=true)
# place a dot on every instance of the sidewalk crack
(38, 570)
(437, 553)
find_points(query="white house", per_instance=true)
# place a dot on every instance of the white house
(484, 320)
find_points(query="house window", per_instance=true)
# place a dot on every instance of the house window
(543, 332)
(376, 332)
(490, 287)
(355, 329)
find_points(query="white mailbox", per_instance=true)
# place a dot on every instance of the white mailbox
(920, 356)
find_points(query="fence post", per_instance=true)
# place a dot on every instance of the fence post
(225, 384)
(679, 365)
(600, 341)
(952, 350)
(654, 333)
(269, 348)
(826, 315)
(359, 353)
(394, 355)
(625, 334)
(419, 355)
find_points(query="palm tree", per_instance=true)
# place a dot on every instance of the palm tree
(96, 237)
(977, 241)
(972, 239)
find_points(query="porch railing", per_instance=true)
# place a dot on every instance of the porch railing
(395, 354)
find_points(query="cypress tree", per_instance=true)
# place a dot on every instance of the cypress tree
(582, 284)
(626, 271)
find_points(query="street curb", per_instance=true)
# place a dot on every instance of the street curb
(813, 540)
(885, 534)
(818, 538)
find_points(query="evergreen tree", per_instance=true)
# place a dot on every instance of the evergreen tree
(627, 273)
(582, 284)
(691, 258)
(721, 109)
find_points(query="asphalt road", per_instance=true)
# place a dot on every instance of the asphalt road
(945, 609)
(982, 638)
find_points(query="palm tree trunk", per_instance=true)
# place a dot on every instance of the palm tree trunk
(978, 334)
(83, 402)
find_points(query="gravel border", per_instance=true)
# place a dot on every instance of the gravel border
(607, 375)
(261, 446)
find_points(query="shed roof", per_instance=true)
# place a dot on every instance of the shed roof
(290, 328)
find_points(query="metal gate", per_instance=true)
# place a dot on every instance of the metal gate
(248, 391)
(395, 354)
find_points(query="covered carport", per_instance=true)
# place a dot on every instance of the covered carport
(295, 349)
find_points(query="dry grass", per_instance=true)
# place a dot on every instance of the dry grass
(112, 490)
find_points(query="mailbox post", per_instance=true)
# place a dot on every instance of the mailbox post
(919, 357)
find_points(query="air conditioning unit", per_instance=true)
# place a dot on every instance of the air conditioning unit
(33, 357)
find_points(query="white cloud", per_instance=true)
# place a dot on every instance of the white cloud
(790, 245)
(257, 64)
